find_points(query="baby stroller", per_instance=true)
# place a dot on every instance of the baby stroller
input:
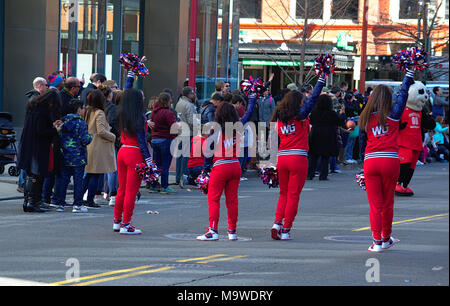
(8, 150)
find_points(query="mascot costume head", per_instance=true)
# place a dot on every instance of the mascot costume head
(417, 96)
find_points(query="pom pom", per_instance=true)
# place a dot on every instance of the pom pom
(131, 61)
(324, 64)
(203, 181)
(250, 85)
(360, 180)
(411, 58)
(269, 176)
(148, 173)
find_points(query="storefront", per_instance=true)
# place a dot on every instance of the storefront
(263, 59)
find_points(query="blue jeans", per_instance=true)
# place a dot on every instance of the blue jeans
(50, 187)
(182, 161)
(163, 158)
(243, 160)
(91, 181)
(349, 148)
(112, 180)
(66, 173)
(22, 178)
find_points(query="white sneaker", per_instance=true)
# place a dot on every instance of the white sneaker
(128, 229)
(99, 200)
(387, 244)
(183, 181)
(112, 201)
(116, 226)
(210, 235)
(244, 179)
(351, 161)
(79, 209)
(276, 231)
(232, 235)
(285, 235)
(419, 163)
(60, 208)
(375, 248)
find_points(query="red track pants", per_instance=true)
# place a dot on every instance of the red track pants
(381, 176)
(226, 178)
(292, 171)
(129, 183)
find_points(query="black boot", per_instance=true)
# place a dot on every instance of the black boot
(34, 185)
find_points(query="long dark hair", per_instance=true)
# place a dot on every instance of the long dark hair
(95, 100)
(324, 103)
(50, 99)
(130, 114)
(226, 112)
(289, 107)
(380, 102)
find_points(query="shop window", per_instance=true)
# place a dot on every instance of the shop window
(344, 9)
(250, 9)
(309, 8)
(409, 9)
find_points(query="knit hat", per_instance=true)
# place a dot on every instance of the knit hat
(292, 86)
(54, 80)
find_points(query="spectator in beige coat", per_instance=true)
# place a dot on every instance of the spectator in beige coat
(100, 152)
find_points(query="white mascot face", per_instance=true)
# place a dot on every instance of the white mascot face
(417, 96)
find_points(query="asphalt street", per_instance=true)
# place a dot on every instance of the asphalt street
(329, 245)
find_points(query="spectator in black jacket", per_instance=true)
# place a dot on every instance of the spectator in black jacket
(96, 80)
(69, 92)
(323, 140)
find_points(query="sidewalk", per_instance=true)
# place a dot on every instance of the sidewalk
(8, 186)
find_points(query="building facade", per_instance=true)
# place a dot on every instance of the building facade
(272, 33)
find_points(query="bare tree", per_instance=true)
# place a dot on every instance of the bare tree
(302, 30)
(421, 34)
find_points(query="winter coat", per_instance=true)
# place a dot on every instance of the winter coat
(323, 136)
(101, 153)
(74, 138)
(266, 108)
(186, 110)
(163, 119)
(86, 91)
(66, 97)
(37, 135)
(32, 94)
(110, 112)
(207, 112)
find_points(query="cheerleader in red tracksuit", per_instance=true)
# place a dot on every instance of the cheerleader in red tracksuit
(225, 168)
(379, 126)
(292, 125)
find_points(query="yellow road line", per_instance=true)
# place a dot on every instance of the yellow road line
(223, 259)
(100, 275)
(201, 258)
(123, 276)
(405, 221)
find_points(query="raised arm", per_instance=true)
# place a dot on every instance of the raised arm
(309, 105)
(399, 107)
(130, 80)
(251, 107)
(142, 142)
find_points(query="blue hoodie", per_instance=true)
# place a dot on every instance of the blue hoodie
(75, 138)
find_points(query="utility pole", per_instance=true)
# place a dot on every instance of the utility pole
(234, 61)
(362, 79)
(225, 39)
(193, 44)
(426, 37)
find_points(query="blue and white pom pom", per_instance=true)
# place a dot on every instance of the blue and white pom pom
(411, 59)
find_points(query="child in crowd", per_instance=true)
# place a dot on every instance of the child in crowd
(75, 138)
(196, 159)
(439, 138)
